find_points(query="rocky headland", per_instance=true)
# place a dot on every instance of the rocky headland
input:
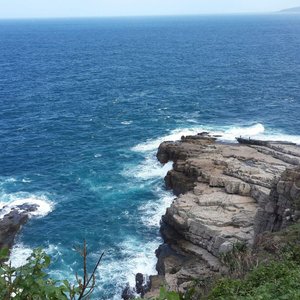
(226, 194)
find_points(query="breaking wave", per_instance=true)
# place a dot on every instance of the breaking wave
(224, 133)
(13, 201)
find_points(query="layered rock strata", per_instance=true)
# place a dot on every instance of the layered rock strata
(227, 193)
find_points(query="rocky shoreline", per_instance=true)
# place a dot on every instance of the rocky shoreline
(12, 221)
(226, 194)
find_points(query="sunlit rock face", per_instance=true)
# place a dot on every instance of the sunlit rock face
(227, 193)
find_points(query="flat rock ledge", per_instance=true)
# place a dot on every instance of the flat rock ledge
(227, 194)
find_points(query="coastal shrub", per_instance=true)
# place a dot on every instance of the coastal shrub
(270, 271)
(32, 282)
(164, 294)
(276, 280)
(167, 295)
(239, 260)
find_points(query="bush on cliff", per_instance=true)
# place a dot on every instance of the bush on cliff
(277, 280)
(270, 271)
(32, 282)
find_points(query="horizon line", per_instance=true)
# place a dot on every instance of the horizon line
(144, 16)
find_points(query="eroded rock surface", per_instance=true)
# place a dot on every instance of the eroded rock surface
(227, 193)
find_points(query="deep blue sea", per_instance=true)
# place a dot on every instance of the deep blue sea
(86, 102)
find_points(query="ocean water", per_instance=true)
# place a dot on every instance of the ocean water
(85, 104)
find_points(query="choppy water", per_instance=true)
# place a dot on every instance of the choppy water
(85, 104)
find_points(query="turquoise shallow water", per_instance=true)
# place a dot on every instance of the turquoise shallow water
(85, 104)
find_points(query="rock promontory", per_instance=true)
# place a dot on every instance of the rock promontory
(227, 193)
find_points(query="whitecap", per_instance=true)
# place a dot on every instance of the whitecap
(224, 133)
(192, 121)
(12, 201)
(26, 180)
(257, 131)
(4, 180)
(175, 135)
(126, 122)
(230, 133)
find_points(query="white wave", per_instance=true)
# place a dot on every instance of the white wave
(7, 180)
(11, 179)
(231, 133)
(126, 122)
(137, 258)
(152, 211)
(225, 133)
(257, 131)
(175, 135)
(19, 254)
(192, 121)
(26, 180)
(149, 168)
(13, 201)
(97, 155)
(251, 131)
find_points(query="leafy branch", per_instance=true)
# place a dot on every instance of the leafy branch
(31, 281)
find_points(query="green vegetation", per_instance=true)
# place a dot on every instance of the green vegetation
(270, 271)
(277, 280)
(31, 281)
(166, 295)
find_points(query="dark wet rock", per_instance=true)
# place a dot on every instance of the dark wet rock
(141, 284)
(252, 142)
(11, 223)
(128, 293)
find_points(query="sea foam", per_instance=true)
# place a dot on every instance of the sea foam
(224, 133)
(152, 211)
(137, 258)
(12, 201)
(19, 254)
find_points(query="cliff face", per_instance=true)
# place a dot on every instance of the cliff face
(283, 206)
(227, 193)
